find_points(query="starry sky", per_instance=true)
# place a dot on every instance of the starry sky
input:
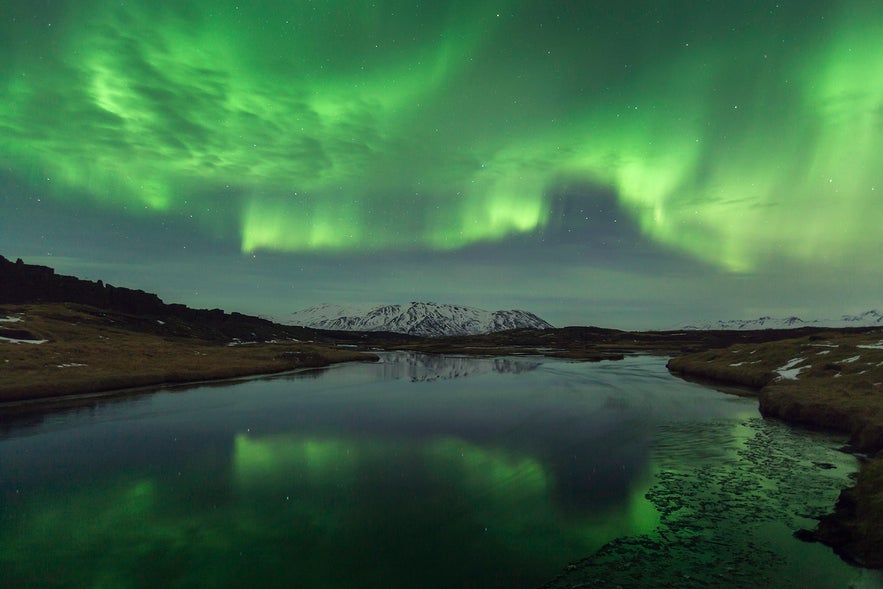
(626, 164)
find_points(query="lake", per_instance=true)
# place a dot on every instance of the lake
(419, 471)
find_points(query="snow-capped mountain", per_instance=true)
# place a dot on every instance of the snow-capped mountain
(867, 319)
(415, 318)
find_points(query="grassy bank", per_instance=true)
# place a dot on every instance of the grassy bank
(829, 380)
(86, 351)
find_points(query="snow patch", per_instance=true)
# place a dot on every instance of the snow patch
(852, 359)
(10, 319)
(788, 371)
(877, 346)
(71, 365)
(823, 352)
(13, 340)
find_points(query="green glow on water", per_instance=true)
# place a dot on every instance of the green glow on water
(507, 497)
(298, 504)
(258, 461)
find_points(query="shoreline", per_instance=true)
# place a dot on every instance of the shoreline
(61, 401)
(832, 382)
(157, 379)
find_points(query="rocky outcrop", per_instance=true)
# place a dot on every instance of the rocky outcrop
(27, 283)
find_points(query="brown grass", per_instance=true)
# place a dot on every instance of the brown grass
(839, 387)
(87, 353)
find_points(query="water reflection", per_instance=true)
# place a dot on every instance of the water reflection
(428, 367)
(438, 483)
(397, 474)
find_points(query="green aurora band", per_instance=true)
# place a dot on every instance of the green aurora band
(739, 134)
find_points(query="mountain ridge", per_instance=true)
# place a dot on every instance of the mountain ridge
(427, 319)
(871, 318)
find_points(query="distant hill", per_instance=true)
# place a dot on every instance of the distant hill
(22, 283)
(867, 319)
(415, 318)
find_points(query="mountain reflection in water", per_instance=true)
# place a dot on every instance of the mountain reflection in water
(428, 367)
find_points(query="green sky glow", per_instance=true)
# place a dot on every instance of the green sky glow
(734, 134)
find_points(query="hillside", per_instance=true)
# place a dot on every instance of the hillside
(60, 349)
(60, 336)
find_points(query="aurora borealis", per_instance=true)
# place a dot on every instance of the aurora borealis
(629, 164)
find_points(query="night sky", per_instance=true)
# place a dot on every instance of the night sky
(627, 164)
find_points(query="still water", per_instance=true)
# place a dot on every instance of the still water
(419, 471)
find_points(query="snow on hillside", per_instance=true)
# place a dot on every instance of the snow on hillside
(415, 318)
(867, 319)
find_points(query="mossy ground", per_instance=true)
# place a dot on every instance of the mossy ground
(87, 351)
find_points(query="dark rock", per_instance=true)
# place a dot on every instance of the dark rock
(806, 535)
(26, 283)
